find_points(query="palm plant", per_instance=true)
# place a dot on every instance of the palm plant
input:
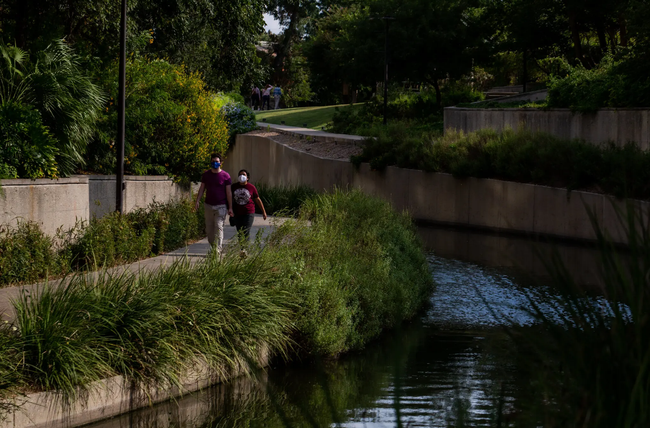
(68, 100)
(13, 84)
(57, 86)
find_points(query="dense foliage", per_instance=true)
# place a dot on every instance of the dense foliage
(28, 255)
(521, 156)
(302, 291)
(49, 108)
(239, 117)
(172, 124)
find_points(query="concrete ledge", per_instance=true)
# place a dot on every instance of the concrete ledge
(440, 198)
(312, 133)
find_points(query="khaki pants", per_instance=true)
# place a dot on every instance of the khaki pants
(215, 216)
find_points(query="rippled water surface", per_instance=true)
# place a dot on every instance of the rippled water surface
(445, 369)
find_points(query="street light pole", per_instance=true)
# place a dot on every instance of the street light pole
(386, 20)
(121, 100)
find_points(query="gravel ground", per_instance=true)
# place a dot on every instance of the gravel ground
(322, 149)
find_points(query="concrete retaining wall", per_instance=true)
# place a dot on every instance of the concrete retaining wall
(60, 203)
(110, 397)
(436, 197)
(619, 126)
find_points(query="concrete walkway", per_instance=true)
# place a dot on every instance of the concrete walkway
(195, 252)
(308, 132)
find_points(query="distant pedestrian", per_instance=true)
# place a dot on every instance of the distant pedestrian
(255, 98)
(244, 197)
(266, 97)
(277, 94)
(218, 200)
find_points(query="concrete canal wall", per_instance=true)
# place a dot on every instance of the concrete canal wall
(112, 397)
(617, 125)
(436, 197)
(56, 203)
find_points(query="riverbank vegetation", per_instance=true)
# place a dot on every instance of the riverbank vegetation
(521, 156)
(319, 289)
(589, 357)
(28, 255)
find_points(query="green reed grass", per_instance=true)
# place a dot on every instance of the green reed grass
(152, 327)
(284, 200)
(359, 269)
(589, 361)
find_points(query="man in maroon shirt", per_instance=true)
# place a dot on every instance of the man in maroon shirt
(218, 200)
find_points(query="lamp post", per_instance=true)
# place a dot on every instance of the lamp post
(121, 99)
(387, 20)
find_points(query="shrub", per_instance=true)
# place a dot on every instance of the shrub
(26, 254)
(172, 124)
(359, 268)
(521, 156)
(27, 148)
(239, 117)
(614, 83)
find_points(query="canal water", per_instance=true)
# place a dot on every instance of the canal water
(448, 368)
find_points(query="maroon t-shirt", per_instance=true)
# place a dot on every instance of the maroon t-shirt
(215, 187)
(243, 198)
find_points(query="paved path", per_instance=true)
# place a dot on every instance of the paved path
(195, 252)
(318, 135)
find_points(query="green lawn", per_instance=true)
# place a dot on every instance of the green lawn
(308, 117)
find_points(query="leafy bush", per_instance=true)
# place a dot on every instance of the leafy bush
(27, 148)
(614, 83)
(28, 255)
(172, 124)
(357, 269)
(521, 156)
(239, 117)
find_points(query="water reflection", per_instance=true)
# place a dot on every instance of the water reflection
(442, 370)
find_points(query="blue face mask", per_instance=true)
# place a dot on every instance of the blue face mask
(216, 165)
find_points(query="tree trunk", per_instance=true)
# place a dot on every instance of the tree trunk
(623, 29)
(575, 35)
(433, 80)
(602, 38)
(287, 42)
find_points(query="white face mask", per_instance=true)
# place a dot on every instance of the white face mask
(242, 178)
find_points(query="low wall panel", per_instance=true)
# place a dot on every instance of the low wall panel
(50, 203)
(441, 198)
(617, 125)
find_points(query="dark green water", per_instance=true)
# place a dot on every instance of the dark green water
(449, 368)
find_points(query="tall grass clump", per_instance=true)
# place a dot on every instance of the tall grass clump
(589, 359)
(153, 327)
(357, 269)
(286, 199)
